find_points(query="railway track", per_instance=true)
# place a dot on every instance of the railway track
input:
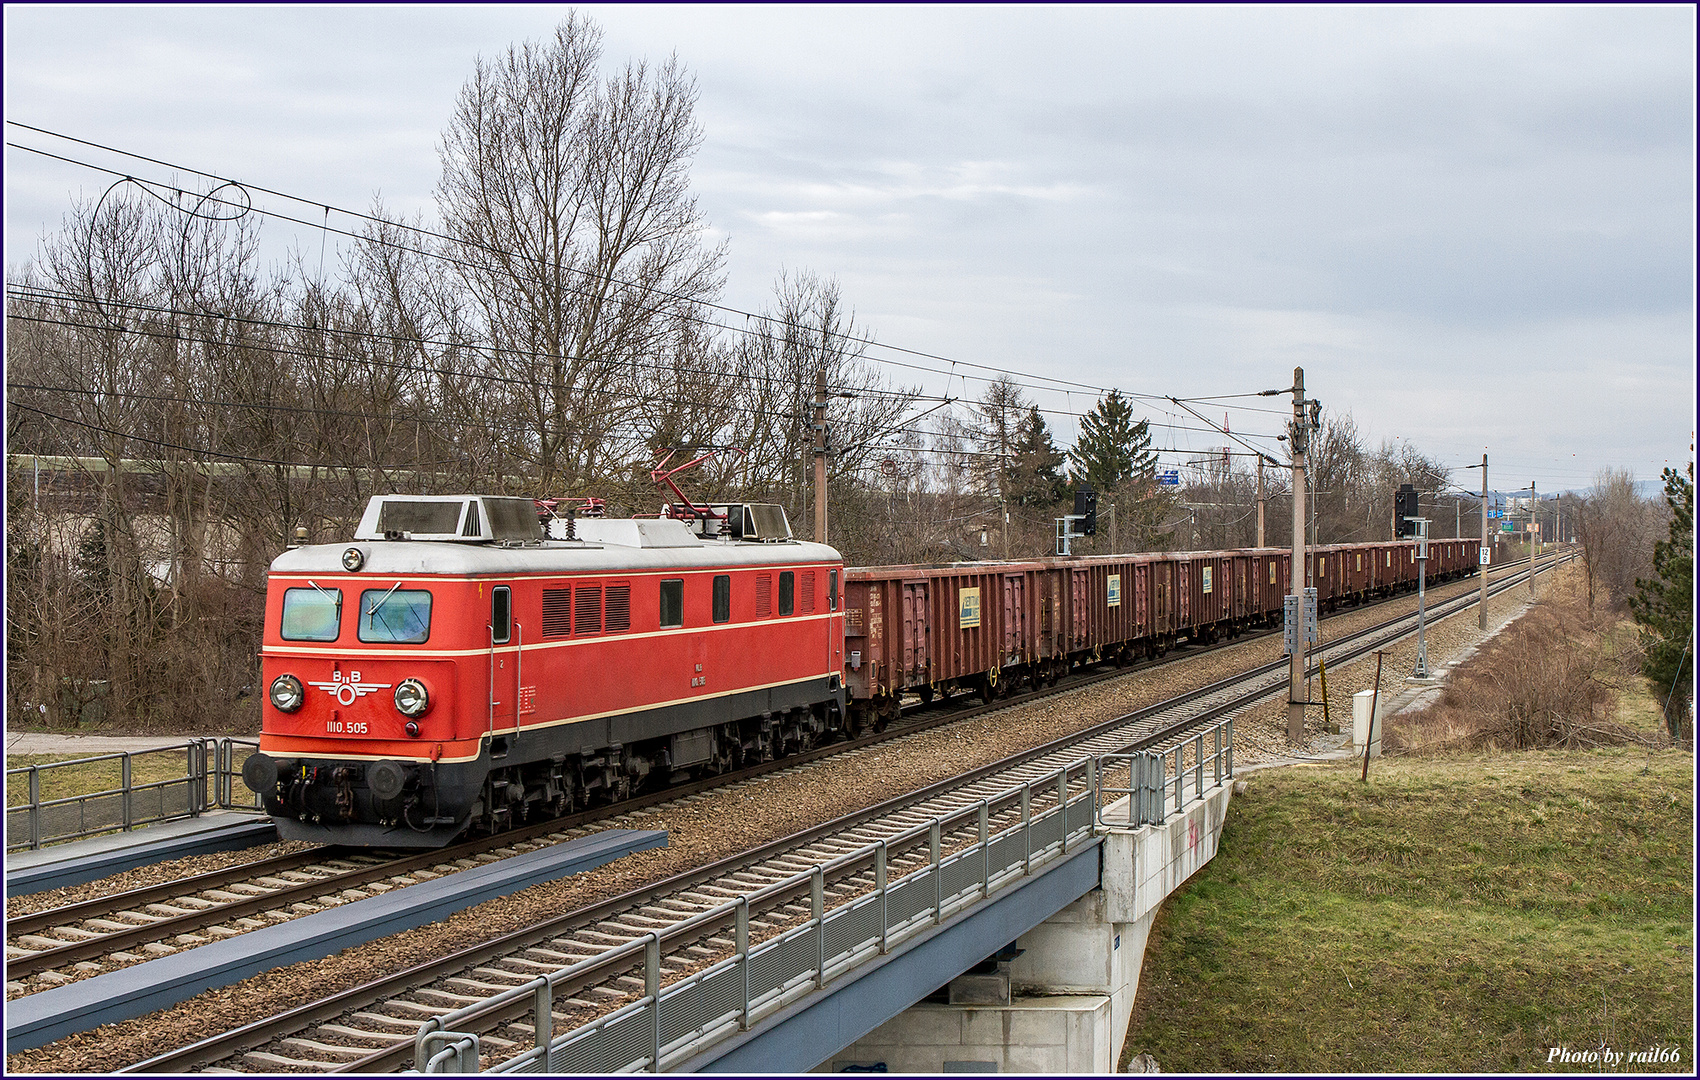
(370, 1028)
(59, 945)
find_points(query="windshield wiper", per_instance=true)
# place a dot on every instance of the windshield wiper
(379, 602)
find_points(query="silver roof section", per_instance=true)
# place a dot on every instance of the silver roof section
(631, 532)
(624, 546)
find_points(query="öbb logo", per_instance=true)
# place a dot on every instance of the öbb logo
(349, 690)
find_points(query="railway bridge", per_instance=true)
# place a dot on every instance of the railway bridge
(1020, 952)
(1046, 970)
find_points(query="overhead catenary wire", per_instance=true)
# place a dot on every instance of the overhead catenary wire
(863, 342)
(417, 342)
(609, 278)
(208, 451)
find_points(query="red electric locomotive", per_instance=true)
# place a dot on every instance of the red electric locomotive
(456, 667)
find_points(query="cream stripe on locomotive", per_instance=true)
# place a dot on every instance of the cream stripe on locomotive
(364, 650)
(501, 577)
(540, 725)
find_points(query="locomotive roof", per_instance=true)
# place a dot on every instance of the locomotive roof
(621, 546)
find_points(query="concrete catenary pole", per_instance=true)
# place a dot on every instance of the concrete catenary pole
(1297, 437)
(820, 456)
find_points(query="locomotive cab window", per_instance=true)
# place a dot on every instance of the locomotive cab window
(787, 592)
(395, 615)
(311, 614)
(832, 591)
(672, 604)
(501, 614)
(722, 598)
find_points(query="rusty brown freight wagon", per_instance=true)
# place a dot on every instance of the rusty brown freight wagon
(938, 629)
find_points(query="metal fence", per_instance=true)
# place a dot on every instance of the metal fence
(211, 771)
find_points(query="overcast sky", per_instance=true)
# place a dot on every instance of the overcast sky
(1473, 227)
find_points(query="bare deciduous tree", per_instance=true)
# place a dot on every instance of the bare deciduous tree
(1617, 529)
(575, 235)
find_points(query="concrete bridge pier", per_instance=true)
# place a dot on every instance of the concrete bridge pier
(1062, 1004)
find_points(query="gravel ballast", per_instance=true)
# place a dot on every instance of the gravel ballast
(732, 820)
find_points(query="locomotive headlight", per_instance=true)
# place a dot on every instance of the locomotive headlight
(287, 694)
(353, 559)
(411, 698)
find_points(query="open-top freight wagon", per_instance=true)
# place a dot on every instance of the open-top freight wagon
(986, 628)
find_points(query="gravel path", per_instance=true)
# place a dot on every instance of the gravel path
(738, 818)
(49, 742)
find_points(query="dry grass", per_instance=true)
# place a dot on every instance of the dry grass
(147, 767)
(1557, 678)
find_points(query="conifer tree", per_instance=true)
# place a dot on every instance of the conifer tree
(1112, 448)
(1033, 477)
(1665, 606)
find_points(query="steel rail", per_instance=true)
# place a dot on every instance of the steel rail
(261, 1032)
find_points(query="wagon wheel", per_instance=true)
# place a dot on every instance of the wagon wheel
(886, 713)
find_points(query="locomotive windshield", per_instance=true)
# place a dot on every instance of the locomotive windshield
(395, 615)
(311, 614)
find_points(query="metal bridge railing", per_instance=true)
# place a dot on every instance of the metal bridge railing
(961, 860)
(1157, 779)
(957, 860)
(210, 772)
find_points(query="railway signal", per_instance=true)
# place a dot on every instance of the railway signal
(1420, 526)
(1405, 511)
(1085, 514)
